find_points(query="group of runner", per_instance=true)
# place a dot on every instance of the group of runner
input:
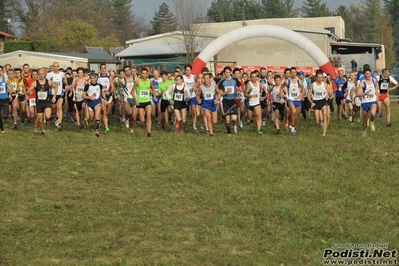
(238, 95)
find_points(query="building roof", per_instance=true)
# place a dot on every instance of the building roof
(47, 55)
(96, 50)
(170, 43)
(355, 44)
(94, 58)
(164, 35)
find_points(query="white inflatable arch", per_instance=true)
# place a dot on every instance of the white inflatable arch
(263, 31)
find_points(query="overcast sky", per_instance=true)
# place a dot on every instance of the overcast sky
(149, 7)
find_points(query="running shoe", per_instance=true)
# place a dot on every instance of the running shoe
(59, 127)
(278, 132)
(177, 124)
(86, 122)
(195, 129)
(263, 123)
(242, 127)
(286, 127)
(259, 132)
(364, 133)
(235, 129)
(43, 133)
(35, 129)
(107, 130)
(358, 120)
(97, 133)
(56, 123)
(15, 126)
(148, 135)
(127, 123)
(372, 127)
(389, 124)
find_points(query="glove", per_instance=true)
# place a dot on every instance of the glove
(171, 102)
(188, 99)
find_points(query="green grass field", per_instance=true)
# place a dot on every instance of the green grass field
(69, 198)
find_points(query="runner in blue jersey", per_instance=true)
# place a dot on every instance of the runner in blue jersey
(229, 87)
(5, 98)
(339, 95)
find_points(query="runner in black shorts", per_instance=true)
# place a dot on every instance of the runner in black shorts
(43, 97)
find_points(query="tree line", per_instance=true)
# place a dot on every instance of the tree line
(70, 25)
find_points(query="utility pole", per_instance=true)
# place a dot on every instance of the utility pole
(243, 13)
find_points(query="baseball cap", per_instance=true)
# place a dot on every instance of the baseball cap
(300, 73)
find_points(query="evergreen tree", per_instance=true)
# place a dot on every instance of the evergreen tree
(314, 8)
(163, 21)
(279, 8)
(232, 10)
(288, 10)
(345, 14)
(392, 7)
(370, 18)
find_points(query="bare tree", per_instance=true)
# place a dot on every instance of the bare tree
(191, 18)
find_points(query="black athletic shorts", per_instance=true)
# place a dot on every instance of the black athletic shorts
(40, 107)
(279, 106)
(179, 105)
(338, 100)
(230, 107)
(252, 108)
(319, 104)
(78, 105)
(164, 105)
(144, 105)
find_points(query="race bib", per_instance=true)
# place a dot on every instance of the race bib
(42, 95)
(32, 102)
(255, 100)
(145, 94)
(340, 88)
(294, 95)
(384, 86)
(2, 90)
(178, 97)
(358, 102)
(208, 96)
(229, 89)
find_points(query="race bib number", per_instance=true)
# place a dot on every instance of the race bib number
(14, 87)
(2, 90)
(81, 89)
(319, 94)
(294, 95)
(145, 94)
(276, 98)
(209, 96)
(370, 96)
(32, 102)
(384, 86)
(229, 89)
(42, 95)
(178, 97)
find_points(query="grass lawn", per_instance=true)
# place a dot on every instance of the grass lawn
(69, 198)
